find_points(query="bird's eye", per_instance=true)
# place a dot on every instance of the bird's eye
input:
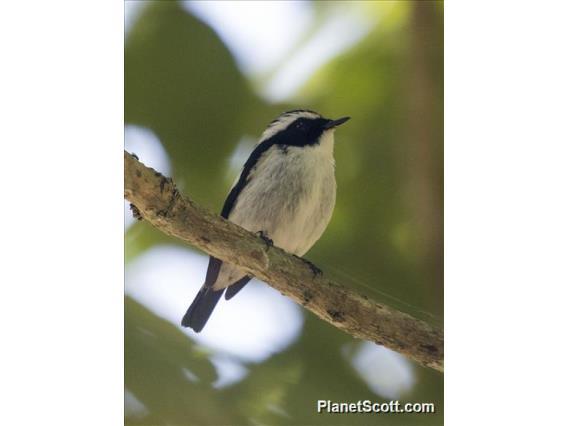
(300, 126)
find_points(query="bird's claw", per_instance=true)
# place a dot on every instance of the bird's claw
(135, 212)
(315, 270)
(264, 236)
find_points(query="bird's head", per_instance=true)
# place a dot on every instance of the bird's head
(300, 127)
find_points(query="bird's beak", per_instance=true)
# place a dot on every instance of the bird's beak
(334, 123)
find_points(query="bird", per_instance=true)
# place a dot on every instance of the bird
(285, 192)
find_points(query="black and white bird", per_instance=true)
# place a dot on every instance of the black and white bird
(286, 192)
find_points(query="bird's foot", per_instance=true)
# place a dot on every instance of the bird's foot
(315, 270)
(264, 236)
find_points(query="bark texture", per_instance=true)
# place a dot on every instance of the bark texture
(158, 201)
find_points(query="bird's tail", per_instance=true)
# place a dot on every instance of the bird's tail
(201, 308)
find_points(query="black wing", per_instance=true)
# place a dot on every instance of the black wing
(236, 287)
(214, 263)
(252, 161)
(200, 310)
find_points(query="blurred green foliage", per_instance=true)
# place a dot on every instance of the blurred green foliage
(385, 238)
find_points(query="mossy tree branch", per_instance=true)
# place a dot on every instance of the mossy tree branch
(158, 201)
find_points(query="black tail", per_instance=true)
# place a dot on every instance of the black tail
(200, 310)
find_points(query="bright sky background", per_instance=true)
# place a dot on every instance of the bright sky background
(281, 23)
(281, 54)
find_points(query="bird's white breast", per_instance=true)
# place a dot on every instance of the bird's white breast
(290, 195)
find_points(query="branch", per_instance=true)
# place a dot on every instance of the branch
(159, 202)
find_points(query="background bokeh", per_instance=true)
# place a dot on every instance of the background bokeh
(202, 80)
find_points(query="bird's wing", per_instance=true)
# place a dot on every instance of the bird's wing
(243, 179)
(236, 287)
(204, 303)
(214, 263)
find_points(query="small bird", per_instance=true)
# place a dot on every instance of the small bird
(285, 192)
